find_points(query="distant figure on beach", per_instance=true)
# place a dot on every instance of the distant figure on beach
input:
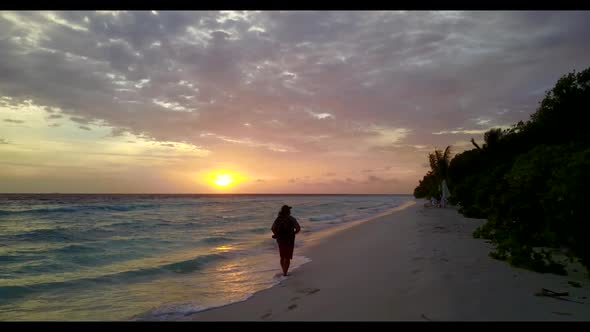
(445, 194)
(284, 229)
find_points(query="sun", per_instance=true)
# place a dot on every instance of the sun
(223, 180)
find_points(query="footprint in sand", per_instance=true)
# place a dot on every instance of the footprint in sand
(425, 318)
(292, 306)
(309, 291)
(266, 315)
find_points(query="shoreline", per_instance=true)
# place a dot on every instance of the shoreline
(412, 264)
(313, 239)
(310, 239)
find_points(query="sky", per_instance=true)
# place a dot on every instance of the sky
(283, 102)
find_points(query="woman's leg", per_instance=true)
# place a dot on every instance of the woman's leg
(287, 263)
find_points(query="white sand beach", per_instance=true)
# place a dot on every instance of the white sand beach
(415, 264)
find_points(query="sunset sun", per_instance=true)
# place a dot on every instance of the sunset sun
(223, 180)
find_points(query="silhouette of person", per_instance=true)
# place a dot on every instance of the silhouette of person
(284, 229)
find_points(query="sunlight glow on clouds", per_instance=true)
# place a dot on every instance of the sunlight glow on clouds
(385, 135)
(468, 131)
(141, 101)
(55, 19)
(320, 116)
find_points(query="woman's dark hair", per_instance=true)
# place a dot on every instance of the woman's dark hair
(285, 210)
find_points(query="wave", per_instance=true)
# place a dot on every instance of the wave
(259, 230)
(255, 230)
(5, 259)
(103, 206)
(216, 239)
(189, 265)
(244, 217)
(77, 248)
(73, 209)
(375, 207)
(10, 293)
(51, 234)
(61, 234)
(170, 312)
(127, 223)
(327, 217)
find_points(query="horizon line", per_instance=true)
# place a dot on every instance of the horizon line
(73, 193)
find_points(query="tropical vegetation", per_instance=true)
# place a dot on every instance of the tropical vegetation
(531, 181)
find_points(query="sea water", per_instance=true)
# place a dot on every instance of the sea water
(152, 257)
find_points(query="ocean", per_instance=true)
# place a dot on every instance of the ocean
(97, 257)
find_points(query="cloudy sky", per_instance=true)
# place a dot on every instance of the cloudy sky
(287, 102)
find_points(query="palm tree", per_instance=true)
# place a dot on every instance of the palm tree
(475, 144)
(492, 137)
(439, 163)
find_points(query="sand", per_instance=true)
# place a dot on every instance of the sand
(414, 264)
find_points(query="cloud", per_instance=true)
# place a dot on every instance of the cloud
(57, 20)
(468, 131)
(118, 131)
(381, 135)
(330, 53)
(13, 121)
(80, 120)
(3, 141)
(383, 181)
(320, 116)
(482, 121)
(174, 106)
(303, 179)
(84, 128)
(373, 178)
(250, 143)
(324, 87)
(461, 131)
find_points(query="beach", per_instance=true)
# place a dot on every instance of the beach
(415, 264)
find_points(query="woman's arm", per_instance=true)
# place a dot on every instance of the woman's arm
(274, 227)
(297, 227)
